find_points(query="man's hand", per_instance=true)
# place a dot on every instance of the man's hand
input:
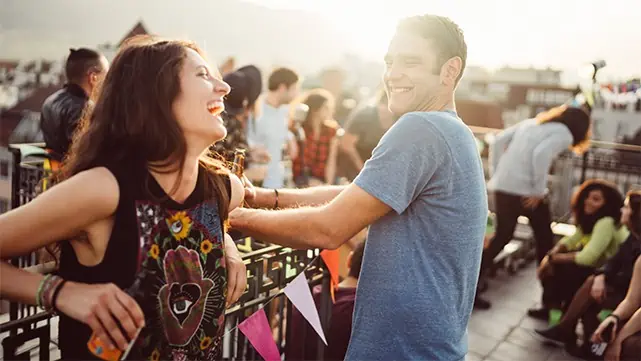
(531, 202)
(598, 288)
(236, 271)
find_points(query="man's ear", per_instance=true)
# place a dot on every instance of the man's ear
(451, 70)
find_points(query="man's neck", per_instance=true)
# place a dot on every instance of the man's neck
(273, 100)
(439, 103)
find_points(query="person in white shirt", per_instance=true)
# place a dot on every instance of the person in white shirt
(520, 158)
(270, 130)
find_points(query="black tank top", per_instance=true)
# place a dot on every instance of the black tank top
(179, 248)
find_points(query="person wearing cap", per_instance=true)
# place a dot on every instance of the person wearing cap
(246, 86)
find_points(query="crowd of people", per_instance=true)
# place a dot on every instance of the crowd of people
(142, 213)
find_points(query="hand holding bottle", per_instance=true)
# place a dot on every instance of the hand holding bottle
(102, 307)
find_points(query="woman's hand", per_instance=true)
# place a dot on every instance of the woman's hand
(597, 337)
(598, 288)
(236, 271)
(102, 307)
(613, 352)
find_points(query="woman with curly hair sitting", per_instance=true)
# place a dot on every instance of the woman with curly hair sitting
(597, 213)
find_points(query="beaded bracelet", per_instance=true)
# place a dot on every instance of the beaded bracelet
(48, 288)
(39, 292)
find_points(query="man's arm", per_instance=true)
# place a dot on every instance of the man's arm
(327, 226)
(292, 198)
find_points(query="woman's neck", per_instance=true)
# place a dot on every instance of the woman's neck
(167, 178)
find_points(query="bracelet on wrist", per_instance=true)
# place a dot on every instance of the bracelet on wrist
(49, 285)
(617, 318)
(56, 293)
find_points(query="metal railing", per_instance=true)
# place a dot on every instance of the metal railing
(270, 268)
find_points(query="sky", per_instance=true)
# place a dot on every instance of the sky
(311, 33)
(556, 33)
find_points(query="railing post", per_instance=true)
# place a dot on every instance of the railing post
(325, 313)
(584, 166)
(15, 203)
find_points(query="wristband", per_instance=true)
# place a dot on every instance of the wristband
(617, 318)
(56, 293)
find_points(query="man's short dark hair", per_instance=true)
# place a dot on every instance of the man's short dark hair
(446, 35)
(281, 76)
(357, 260)
(80, 62)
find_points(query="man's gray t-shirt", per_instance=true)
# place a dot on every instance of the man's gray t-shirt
(421, 263)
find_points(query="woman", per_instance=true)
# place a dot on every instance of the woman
(316, 160)
(141, 201)
(625, 342)
(520, 158)
(599, 233)
(605, 287)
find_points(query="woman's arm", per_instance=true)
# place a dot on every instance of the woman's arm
(330, 167)
(237, 192)
(631, 327)
(602, 235)
(348, 146)
(632, 300)
(500, 143)
(543, 155)
(568, 242)
(60, 213)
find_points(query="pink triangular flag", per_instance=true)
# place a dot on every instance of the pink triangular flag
(298, 292)
(257, 330)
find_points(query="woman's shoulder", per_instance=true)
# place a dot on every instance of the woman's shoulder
(331, 126)
(606, 222)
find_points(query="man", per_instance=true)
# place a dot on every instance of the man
(270, 130)
(61, 112)
(363, 131)
(423, 192)
(304, 340)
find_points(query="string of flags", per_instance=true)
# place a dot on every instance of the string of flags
(256, 327)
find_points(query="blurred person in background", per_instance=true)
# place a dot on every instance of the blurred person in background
(246, 86)
(520, 158)
(363, 130)
(315, 163)
(333, 80)
(270, 131)
(605, 289)
(596, 209)
(61, 112)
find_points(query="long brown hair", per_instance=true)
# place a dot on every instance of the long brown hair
(578, 122)
(634, 199)
(133, 119)
(315, 99)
